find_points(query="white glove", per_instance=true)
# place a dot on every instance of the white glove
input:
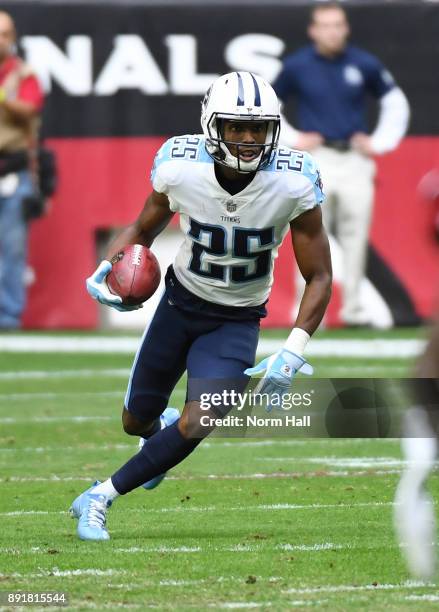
(98, 289)
(280, 370)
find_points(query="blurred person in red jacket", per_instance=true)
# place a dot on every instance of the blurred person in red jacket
(21, 101)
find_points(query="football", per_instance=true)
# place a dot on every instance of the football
(135, 275)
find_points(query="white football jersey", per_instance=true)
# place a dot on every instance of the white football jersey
(231, 241)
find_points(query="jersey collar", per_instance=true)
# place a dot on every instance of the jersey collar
(336, 58)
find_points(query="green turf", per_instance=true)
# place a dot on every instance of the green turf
(313, 531)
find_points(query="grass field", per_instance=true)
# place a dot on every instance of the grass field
(241, 524)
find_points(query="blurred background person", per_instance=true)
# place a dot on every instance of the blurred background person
(428, 188)
(331, 81)
(21, 101)
(414, 514)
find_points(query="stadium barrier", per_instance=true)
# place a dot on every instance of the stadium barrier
(120, 78)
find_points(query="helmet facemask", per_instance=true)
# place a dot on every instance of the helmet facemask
(219, 148)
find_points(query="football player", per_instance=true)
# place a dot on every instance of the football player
(237, 195)
(414, 514)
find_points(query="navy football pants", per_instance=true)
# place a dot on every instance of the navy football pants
(177, 340)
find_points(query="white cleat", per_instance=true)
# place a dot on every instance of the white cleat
(91, 510)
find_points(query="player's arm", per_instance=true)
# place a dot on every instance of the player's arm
(312, 253)
(153, 219)
(311, 248)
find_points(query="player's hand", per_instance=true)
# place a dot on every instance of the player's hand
(308, 141)
(280, 370)
(98, 289)
(362, 143)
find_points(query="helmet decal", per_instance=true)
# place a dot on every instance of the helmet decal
(257, 92)
(240, 100)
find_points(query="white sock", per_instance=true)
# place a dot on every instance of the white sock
(106, 488)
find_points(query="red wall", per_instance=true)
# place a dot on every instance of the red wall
(104, 182)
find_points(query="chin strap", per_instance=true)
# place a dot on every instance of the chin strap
(237, 164)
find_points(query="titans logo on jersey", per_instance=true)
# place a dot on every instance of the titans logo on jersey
(231, 242)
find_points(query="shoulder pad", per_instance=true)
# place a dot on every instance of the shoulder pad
(187, 147)
(291, 160)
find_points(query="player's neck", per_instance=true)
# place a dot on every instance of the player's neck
(231, 180)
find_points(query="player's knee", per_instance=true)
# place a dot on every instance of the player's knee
(190, 424)
(184, 427)
(131, 425)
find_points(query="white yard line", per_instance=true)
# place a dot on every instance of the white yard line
(131, 550)
(29, 512)
(242, 605)
(14, 397)
(301, 474)
(366, 349)
(53, 478)
(329, 589)
(36, 343)
(361, 371)
(201, 509)
(373, 348)
(205, 445)
(57, 374)
(306, 603)
(66, 573)
(345, 462)
(57, 419)
(75, 449)
(163, 582)
(90, 605)
(359, 462)
(319, 590)
(318, 547)
(288, 506)
(422, 597)
(201, 477)
(159, 549)
(349, 588)
(314, 547)
(124, 373)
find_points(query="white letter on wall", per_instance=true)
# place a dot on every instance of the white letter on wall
(256, 53)
(130, 66)
(183, 76)
(72, 71)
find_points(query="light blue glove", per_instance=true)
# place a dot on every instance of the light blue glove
(98, 289)
(280, 370)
